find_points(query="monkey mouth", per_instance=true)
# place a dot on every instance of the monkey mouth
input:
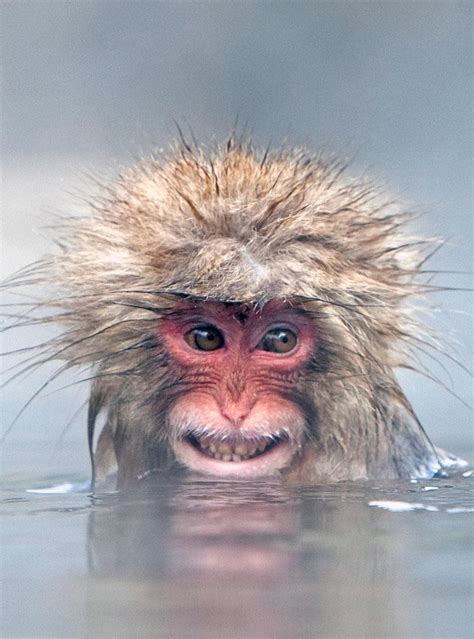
(237, 450)
(235, 455)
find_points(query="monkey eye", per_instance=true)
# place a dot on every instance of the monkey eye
(279, 340)
(205, 338)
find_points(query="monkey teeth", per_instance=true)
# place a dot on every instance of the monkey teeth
(232, 452)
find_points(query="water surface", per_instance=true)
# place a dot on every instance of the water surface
(198, 558)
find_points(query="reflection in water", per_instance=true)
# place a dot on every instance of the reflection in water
(239, 560)
(207, 560)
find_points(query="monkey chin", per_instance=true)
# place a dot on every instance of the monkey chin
(235, 457)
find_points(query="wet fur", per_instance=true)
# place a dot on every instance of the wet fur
(239, 226)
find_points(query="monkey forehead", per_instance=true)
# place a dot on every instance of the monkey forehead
(227, 270)
(241, 312)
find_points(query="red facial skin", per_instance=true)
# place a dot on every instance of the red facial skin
(237, 393)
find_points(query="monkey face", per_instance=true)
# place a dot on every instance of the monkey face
(236, 415)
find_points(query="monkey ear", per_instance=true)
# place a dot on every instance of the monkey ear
(408, 450)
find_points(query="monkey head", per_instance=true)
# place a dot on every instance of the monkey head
(243, 315)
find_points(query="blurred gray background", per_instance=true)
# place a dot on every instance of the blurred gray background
(89, 85)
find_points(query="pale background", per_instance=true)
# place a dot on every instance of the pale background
(89, 85)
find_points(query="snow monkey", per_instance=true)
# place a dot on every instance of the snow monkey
(242, 314)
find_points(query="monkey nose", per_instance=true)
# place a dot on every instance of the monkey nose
(235, 413)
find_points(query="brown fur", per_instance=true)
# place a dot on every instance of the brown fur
(234, 225)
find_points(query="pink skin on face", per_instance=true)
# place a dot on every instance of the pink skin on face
(234, 418)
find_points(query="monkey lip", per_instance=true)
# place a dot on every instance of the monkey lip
(235, 456)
